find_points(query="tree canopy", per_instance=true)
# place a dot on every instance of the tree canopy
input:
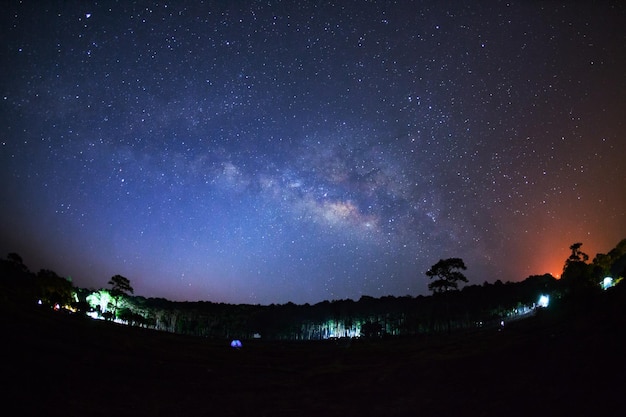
(120, 286)
(577, 274)
(446, 275)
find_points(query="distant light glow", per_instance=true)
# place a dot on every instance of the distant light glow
(544, 300)
(607, 282)
(100, 300)
(236, 344)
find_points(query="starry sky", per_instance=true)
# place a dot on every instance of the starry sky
(273, 151)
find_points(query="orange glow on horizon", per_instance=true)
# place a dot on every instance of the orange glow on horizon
(551, 253)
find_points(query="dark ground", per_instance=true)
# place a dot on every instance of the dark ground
(555, 364)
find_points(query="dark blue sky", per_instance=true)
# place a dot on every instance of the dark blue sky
(267, 152)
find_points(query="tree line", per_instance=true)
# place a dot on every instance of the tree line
(448, 309)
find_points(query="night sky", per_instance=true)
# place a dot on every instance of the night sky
(274, 151)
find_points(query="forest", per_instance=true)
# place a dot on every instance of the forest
(460, 351)
(490, 305)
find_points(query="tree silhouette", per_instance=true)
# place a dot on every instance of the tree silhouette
(53, 289)
(577, 275)
(17, 283)
(120, 286)
(577, 255)
(17, 261)
(447, 274)
(611, 264)
(446, 277)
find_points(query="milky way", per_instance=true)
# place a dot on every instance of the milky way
(267, 152)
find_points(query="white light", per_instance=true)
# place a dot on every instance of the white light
(607, 283)
(544, 300)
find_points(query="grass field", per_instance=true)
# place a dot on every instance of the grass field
(552, 365)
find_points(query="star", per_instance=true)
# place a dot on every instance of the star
(264, 154)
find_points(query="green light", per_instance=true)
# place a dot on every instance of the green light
(99, 300)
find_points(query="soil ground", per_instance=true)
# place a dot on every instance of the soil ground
(549, 365)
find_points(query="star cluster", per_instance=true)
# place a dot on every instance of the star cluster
(265, 152)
